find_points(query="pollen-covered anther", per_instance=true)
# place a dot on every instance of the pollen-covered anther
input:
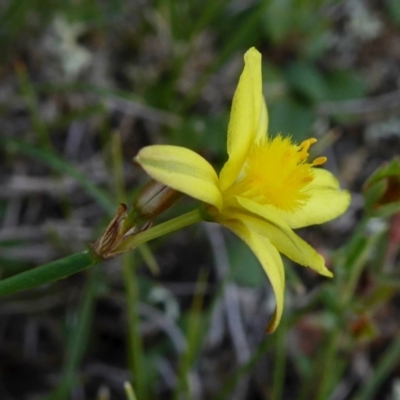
(319, 161)
(304, 147)
(303, 152)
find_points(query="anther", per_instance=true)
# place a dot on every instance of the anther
(319, 161)
(304, 146)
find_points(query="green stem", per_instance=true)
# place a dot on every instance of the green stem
(130, 393)
(135, 345)
(135, 354)
(193, 334)
(160, 230)
(280, 362)
(49, 272)
(328, 364)
(78, 338)
(64, 267)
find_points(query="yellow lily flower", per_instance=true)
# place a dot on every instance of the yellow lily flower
(265, 189)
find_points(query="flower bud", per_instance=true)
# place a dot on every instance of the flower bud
(153, 200)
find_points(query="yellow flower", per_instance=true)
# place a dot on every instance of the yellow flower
(265, 189)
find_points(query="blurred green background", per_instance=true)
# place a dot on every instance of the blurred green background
(83, 86)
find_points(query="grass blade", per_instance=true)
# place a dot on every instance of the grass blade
(78, 339)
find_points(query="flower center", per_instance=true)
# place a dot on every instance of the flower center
(277, 172)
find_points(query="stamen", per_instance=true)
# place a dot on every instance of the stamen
(319, 161)
(277, 172)
(304, 146)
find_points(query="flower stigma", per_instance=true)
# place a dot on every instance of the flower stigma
(277, 172)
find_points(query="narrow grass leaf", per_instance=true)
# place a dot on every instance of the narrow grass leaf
(78, 339)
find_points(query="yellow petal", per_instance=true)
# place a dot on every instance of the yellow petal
(183, 170)
(326, 202)
(270, 261)
(247, 114)
(262, 130)
(268, 224)
(323, 206)
(324, 178)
